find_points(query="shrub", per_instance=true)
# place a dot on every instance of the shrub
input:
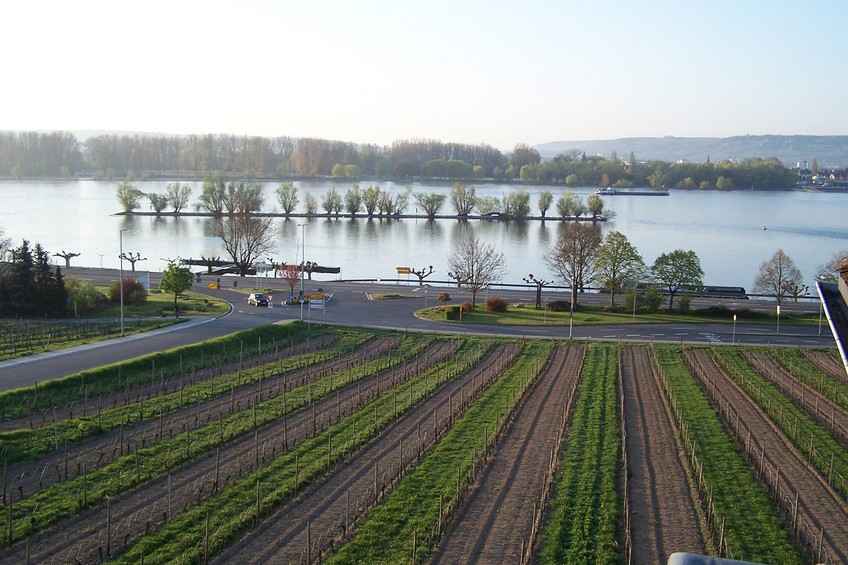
(653, 298)
(444, 297)
(84, 297)
(685, 304)
(134, 292)
(467, 307)
(452, 313)
(495, 304)
(559, 305)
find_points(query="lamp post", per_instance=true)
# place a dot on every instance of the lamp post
(302, 263)
(733, 341)
(778, 318)
(121, 280)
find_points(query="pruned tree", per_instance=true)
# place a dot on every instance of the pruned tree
(353, 199)
(178, 195)
(546, 198)
(287, 197)
(463, 198)
(539, 284)
(430, 202)
(245, 238)
(371, 199)
(516, 204)
(241, 198)
(67, 257)
(213, 196)
(133, 258)
(572, 256)
(331, 201)
(779, 277)
(618, 264)
(475, 265)
(570, 205)
(157, 201)
(176, 279)
(422, 274)
(676, 270)
(129, 197)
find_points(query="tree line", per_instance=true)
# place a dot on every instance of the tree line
(131, 157)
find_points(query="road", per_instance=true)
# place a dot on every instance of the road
(349, 304)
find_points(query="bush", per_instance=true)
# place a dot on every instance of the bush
(495, 304)
(453, 313)
(685, 304)
(444, 297)
(653, 298)
(467, 307)
(134, 292)
(559, 306)
(85, 299)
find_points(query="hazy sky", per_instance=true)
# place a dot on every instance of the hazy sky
(373, 71)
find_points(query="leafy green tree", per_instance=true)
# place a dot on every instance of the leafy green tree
(157, 201)
(522, 154)
(487, 205)
(178, 195)
(475, 266)
(463, 198)
(618, 264)
(570, 205)
(572, 257)
(430, 202)
(338, 170)
(678, 269)
(779, 277)
(517, 204)
(85, 298)
(595, 205)
(572, 180)
(241, 198)
(212, 196)
(724, 183)
(371, 199)
(287, 197)
(353, 199)
(546, 198)
(129, 197)
(176, 279)
(331, 201)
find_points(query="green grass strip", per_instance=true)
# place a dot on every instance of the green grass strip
(65, 499)
(231, 512)
(586, 509)
(753, 528)
(798, 426)
(412, 508)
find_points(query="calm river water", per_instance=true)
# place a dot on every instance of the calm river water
(725, 230)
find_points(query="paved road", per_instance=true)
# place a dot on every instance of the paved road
(349, 304)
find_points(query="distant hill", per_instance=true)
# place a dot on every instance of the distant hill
(828, 150)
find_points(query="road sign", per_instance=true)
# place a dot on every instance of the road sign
(404, 270)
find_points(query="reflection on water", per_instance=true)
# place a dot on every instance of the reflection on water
(724, 229)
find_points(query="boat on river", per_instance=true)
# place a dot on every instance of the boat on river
(608, 191)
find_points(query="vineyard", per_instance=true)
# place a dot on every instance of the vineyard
(302, 443)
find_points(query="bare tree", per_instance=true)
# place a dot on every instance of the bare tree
(475, 265)
(245, 238)
(828, 271)
(779, 277)
(573, 255)
(463, 198)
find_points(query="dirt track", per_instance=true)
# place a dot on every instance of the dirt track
(498, 515)
(348, 493)
(819, 507)
(663, 504)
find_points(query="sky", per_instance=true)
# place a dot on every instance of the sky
(375, 71)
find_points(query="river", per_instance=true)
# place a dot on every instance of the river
(725, 229)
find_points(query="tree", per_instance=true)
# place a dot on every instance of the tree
(245, 238)
(129, 197)
(546, 198)
(779, 277)
(826, 272)
(572, 256)
(676, 270)
(157, 201)
(287, 197)
(522, 154)
(178, 195)
(311, 204)
(371, 199)
(176, 279)
(570, 205)
(618, 264)
(595, 205)
(517, 204)
(213, 196)
(353, 199)
(290, 274)
(475, 265)
(331, 201)
(430, 202)
(539, 284)
(463, 198)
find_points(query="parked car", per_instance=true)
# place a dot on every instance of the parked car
(257, 299)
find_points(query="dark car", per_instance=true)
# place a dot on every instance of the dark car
(257, 299)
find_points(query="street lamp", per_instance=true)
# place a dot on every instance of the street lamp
(121, 280)
(302, 264)
(733, 341)
(778, 318)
